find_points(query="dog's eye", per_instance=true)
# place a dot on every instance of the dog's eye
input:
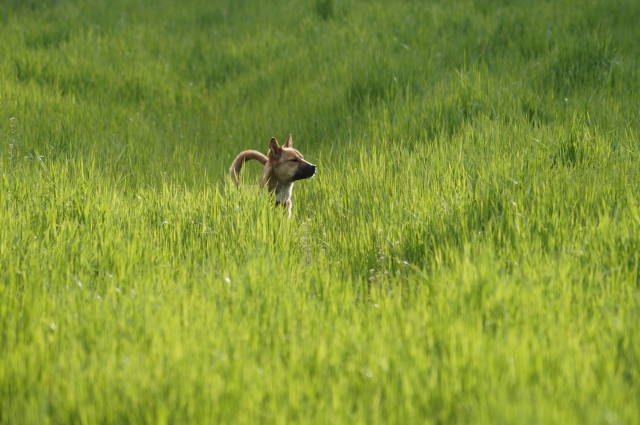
(293, 160)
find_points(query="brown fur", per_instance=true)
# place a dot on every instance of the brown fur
(282, 166)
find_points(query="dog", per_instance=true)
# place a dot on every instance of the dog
(283, 165)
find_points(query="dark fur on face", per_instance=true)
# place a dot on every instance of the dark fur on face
(305, 171)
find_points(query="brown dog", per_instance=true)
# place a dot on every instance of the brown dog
(282, 166)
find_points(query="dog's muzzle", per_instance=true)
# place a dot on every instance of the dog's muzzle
(304, 172)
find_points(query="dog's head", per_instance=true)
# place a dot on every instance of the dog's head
(287, 163)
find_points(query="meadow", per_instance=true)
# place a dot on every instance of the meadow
(468, 252)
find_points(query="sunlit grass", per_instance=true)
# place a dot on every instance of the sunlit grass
(468, 252)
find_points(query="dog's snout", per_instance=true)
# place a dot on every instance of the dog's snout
(311, 170)
(306, 171)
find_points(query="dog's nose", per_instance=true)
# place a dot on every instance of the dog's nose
(304, 172)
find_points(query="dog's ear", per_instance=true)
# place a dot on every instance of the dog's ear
(288, 143)
(274, 148)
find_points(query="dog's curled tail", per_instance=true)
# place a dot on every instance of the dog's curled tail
(244, 156)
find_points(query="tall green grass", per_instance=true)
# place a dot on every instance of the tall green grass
(468, 252)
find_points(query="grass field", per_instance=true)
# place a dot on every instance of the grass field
(468, 253)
